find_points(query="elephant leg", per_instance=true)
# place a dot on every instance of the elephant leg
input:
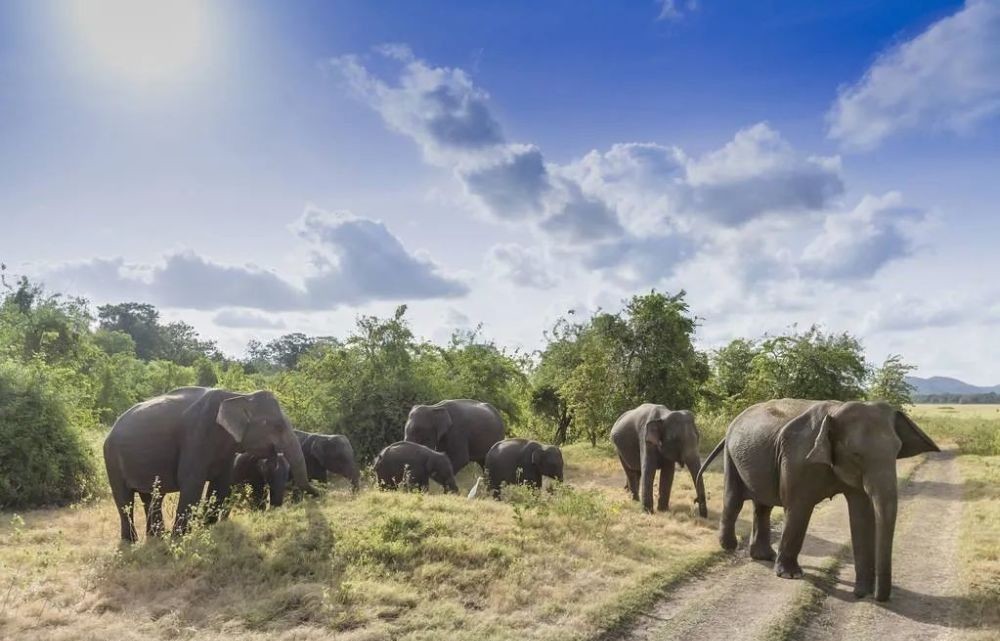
(187, 505)
(124, 499)
(631, 479)
(650, 463)
(218, 500)
(152, 505)
(733, 495)
(666, 483)
(258, 498)
(760, 537)
(794, 533)
(862, 517)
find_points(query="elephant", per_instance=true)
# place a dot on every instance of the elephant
(329, 454)
(262, 473)
(180, 440)
(649, 438)
(413, 465)
(463, 429)
(517, 460)
(795, 453)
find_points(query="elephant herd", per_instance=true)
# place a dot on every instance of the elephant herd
(788, 453)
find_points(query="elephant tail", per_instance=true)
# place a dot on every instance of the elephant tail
(711, 457)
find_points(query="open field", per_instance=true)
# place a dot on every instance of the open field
(376, 566)
(579, 563)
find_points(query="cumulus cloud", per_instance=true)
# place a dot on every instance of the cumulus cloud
(361, 260)
(520, 265)
(356, 260)
(240, 318)
(637, 211)
(944, 78)
(858, 243)
(511, 185)
(439, 107)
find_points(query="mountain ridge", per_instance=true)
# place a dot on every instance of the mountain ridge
(947, 385)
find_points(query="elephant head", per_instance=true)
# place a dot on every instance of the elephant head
(674, 435)
(257, 424)
(860, 442)
(336, 455)
(427, 425)
(548, 461)
(439, 470)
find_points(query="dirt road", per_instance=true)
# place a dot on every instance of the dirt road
(744, 600)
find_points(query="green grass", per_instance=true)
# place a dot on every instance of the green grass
(979, 545)
(974, 428)
(559, 565)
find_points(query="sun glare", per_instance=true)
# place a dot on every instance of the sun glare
(144, 41)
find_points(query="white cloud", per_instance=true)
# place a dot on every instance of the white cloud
(521, 265)
(948, 77)
(858, 243)
(355, 260)
(240, 318)
(675, 9)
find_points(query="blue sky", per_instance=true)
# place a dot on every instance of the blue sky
(258, 168)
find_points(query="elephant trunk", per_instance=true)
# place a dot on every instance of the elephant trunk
(884, 500)
(693, 464)
(292, 450)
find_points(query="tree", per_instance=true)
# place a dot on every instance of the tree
(138, 320)
(591, 372)
(889, 384)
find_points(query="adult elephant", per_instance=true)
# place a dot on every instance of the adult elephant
(795, 453)
(179, 441)
(463, 429)
(521, 461)
(266, 478)
(327, 454)
(650, 438)
(407, 464)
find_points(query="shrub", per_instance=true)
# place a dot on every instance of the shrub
(44, 458)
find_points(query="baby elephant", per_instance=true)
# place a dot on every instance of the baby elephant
(517, 460)
(650, 438)
(259, 474)
(413, 465)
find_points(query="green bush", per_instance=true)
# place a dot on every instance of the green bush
(44, 458)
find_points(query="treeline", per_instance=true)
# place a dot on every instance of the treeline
(986, 398)
(66, 372)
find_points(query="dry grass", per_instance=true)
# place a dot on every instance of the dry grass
(974, 428)
(564, 565)
(979, 545)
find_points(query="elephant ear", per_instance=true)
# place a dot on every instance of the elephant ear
(915, 441)
(234, 416)
(316, 448)
(822, 449)
(655, 426)
(442, 422)
(536, 456)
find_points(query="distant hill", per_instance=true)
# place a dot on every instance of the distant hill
(946, 385)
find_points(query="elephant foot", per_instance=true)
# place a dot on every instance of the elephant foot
(861, 591)
(662, 507)
(762, 553)
(788, 569)
(728, 541)
(882, 593)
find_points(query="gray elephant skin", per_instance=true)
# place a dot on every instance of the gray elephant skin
(327, 454)
(406, 464)
(265, 478)
(650, 438)
(520, 461)
(179, 441)
(463, 429)
(795, 453)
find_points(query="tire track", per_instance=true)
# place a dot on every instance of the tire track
(743, 599)
(926, 592)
